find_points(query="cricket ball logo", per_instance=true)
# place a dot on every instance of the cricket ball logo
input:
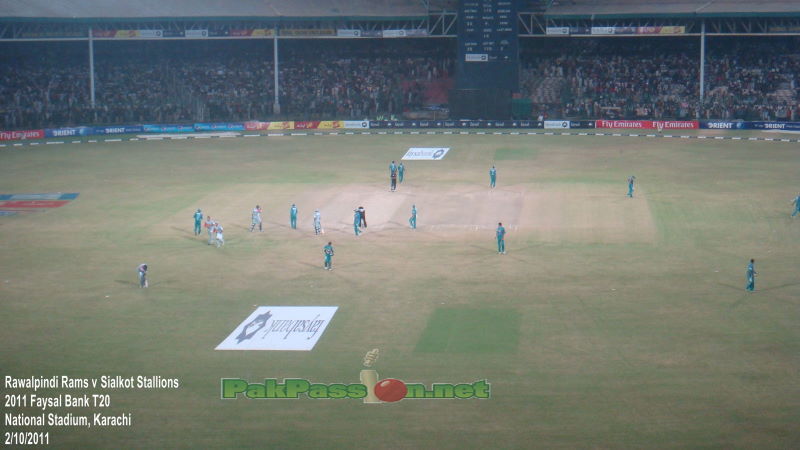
(388, 390)
(391, 390)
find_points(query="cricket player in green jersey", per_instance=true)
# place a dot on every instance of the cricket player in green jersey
(293, 216)
(501, 238)
(751, 276)
(413, 220)
(328, 250)
(356, 221)
(198, 222)
(631, 180)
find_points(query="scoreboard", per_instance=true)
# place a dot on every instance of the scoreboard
(488, 45)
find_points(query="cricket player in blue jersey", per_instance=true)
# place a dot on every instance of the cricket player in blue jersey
(751, 276)
(401, 170)
(501, 238)
(198, 222)
(293, 216)
(796, 202)
(328, 250)
(413, 220)
(631, 179)
(492, 177)
(356, 221)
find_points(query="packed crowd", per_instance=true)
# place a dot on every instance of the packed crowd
(644, 78)
(357, 87)
(746, 78)
(230, 85)
(758, 81)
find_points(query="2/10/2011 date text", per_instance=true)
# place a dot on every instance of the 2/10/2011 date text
(26, 438)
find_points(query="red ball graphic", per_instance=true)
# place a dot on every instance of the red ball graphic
(390, 390)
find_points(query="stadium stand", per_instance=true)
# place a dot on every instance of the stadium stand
(221, 81)
(176, 80)
(211, 8)
(753, 79)
(673, 8)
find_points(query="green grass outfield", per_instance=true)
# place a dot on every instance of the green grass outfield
(611, 322)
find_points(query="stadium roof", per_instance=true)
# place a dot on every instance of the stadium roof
(674, 8)
(147, 9)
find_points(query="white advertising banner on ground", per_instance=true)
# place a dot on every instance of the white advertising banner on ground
(280, 328)
(426, 153)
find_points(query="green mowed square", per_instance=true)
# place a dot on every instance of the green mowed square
(470, 330)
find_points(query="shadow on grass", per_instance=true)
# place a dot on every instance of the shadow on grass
(149, 283)
(730, 286)
(276, 225)
(780, 286)
(739, 302)
(182, 230)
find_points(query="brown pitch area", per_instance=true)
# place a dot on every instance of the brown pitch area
(547, 212)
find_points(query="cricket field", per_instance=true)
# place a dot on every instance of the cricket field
(611, 322)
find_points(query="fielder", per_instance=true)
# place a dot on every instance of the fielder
(328, 250)
(317, 222)
(255, 219)
(751, 276)
(413, 220)
(501, 238)
(492, 177)
(356, 221)
(796, 202)
(210, 226)
(198, 222)
(142, 271)
(293, 216)
(631, 179)
(401, 170)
